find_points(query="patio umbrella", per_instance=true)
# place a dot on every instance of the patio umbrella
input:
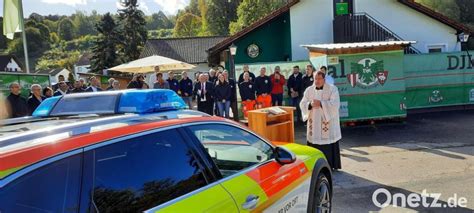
(148, 64)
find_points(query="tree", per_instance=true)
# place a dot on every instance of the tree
(104, 49)
(133, 30)
(187, 25)
(220, 14)
(35, 43)
(466, 10)
(158, 21)
(66, 29)
(85, 24)
(193, 7)
(250, 11)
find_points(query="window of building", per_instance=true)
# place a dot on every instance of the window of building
(141, 173)
(51, 188)
(232, 148)
(436, 48)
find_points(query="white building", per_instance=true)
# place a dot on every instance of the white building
(279, 36)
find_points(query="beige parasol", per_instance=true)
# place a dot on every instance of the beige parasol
(148, 64)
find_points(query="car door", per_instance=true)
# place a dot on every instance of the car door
(150, 172)
(250, 172)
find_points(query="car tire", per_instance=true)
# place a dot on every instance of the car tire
(321, 195)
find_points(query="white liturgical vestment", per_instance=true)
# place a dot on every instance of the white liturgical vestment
(323, 123)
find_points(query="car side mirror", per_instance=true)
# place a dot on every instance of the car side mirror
(284, 156)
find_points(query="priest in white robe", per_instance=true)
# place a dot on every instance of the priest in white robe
(320, 108)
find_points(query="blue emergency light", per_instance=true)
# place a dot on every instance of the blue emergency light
(46, 106)
(116, 102)
(148, 101)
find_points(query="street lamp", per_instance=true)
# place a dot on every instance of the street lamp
(464, 38)
(233, 52)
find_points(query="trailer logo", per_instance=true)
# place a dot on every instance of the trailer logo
(435, 97)
(367, 73)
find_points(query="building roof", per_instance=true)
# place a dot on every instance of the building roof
(84, 60)
(50, 72)
(357, 45)
(190, 50)
(228, 41)
(410, 3)
(435, 15)
(5, 59)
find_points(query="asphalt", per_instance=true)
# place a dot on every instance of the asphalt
(431, 151)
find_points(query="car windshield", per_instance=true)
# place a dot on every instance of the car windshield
(76, 105)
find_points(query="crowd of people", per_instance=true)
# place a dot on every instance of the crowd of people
(213, 92)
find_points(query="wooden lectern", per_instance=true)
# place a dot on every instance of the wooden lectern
(275, 127)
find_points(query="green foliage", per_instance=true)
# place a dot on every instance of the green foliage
(133, 31)
(220, 14)
(158, 21)
(161, 33)
(187, 25)
(66, 29)
(104, 48)
(85, 24)
(250, 11)
(35, 42)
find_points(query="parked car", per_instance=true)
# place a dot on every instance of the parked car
(131, 151)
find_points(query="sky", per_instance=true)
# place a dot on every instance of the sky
(67, 7)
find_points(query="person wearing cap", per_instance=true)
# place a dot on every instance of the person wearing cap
(172, 82)
(278, 82)
(263, 88)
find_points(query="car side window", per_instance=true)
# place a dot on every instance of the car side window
(141, 173)
(231, 148)
(51, 188)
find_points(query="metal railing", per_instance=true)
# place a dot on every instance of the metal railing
(361, 27)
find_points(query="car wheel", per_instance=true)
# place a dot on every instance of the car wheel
(322, 195)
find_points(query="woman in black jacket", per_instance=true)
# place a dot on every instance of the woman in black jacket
(222, 96)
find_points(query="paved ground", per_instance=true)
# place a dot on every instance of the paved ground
(432, 152)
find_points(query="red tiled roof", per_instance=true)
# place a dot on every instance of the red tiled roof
(435, 15)
(227, 42)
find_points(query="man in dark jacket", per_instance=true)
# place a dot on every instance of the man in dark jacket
(233, 95)
(17, 105)
(35, 99)
(263, 87)
(95, 85)
(172, 82)
(247, 94)
(186, 89)
(77, 87)
(246, 70)
(203, 91)
(308, 78)
(62, 90)
(295, 87)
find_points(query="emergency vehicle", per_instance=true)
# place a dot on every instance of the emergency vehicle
(143, 151)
